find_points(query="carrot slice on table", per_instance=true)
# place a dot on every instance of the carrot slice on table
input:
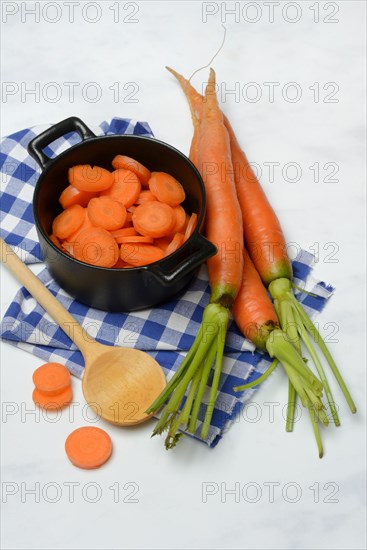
(191, 226)
(176, 242)
(180, 219)
(71, 195)
(166, 188)
(51, 378)
(154, 219)
(96, 247)
(86, 178)
(52, 402)
(66, 223)
(124, 232)
(140, 254)
(135, 239)
(107, 213)
(122, 161)
(146, 196)
(88, 447)
(126, 187)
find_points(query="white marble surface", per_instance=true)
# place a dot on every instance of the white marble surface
(170, 512)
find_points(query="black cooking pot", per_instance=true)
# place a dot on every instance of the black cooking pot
(108, 288)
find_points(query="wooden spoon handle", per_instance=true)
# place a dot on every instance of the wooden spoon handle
(44, 297)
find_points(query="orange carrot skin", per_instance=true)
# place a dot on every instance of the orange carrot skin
(223, 216)
(196, 107)
(265, 241)
(263, 234)
(253, 309)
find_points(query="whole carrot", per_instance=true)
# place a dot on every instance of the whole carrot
(266, 244)
(224, 229)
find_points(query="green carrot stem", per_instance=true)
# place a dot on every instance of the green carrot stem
(296, 382)
(319, 340)
(291, 407)
(258, 380)
(185, 414)
(179, 393)
(161, 424)
(307, 341)
(172, 436)
(289, 324)
(316, 431)
(279, 347)
(215, 383)
(202, 385)
(177, 377)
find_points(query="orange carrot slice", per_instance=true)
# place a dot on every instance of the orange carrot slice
(88, 447)
(66, 223)
(140, 254)
(124, 232)
(176, 242)
(122, 161)
(180, 219)
(135, 239)
(52, 402)
(71, 195)
(120, 264)
(107, 213)
(145, 196)
(51, 378)
(153, 219)
(162, 242)
(191, 226)
(68, 247)
(126, 187)
(86, 178)
(129, 220)
(87, 224)
(166, 188)
(55, 240)
(96, 247)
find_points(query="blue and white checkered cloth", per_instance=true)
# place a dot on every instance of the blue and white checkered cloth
(166, 332)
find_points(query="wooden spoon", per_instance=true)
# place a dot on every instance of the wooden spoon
(118, 383)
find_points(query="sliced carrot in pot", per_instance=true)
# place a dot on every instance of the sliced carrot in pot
(175, 244)
(126, 187)
(107, 213)
(96, 247)
(86, 178)
(154, 219)
(166, 188)
(140, 254)
(191, 226)
(122, 161)
(71, 195)
(66, 223)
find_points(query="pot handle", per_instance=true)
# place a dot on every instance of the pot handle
(204, 250)
(71, 124)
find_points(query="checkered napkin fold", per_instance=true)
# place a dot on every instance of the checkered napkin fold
(165, 332)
